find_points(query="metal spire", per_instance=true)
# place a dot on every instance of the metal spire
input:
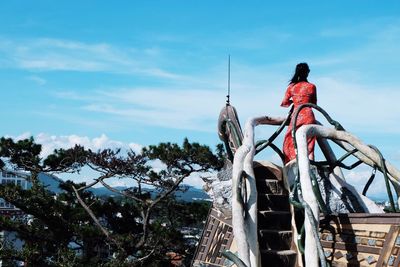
(229, 81)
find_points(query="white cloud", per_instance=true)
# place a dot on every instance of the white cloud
(46, 54)
(359, 107)
(114, 182)
(356, 105)
(182, 109)
(193, 102)
(373, 46)
(359, 177)
(51, 142)
(37, 79)
(195, 179)
(22, 136)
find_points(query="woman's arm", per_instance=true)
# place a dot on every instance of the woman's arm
(286, 102)
(314, 95)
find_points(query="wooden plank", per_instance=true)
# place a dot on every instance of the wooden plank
(397, 261)
(208, 237)
(200, 263)
(217, 236)
(358, 259)
(218, 243)
(351, 247)
(227, 241)
(215, 213)
(364, 227)
(365, 218)
(214, 226)
(346, 235)
(388, 245)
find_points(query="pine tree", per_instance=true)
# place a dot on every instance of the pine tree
(78, 228)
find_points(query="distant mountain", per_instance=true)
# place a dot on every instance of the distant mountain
(51, 182)
(102, 191)
(188, 193)
(192, 194)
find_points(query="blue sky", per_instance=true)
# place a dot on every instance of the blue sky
(141, 72)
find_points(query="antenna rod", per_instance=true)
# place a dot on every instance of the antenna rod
(229, 80)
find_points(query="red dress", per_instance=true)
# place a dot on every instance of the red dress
(298, 94)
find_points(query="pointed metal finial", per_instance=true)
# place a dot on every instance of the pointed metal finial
(229, 81)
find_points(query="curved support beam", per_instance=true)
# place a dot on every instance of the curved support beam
(348, 142)
(311, 249)
(229, 130)
(245, 228)
(238, 222)
(329, 155)
(266, 120)
(371, 158)
(346, 139)
(235, 259)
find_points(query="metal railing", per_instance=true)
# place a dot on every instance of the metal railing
(244, 191)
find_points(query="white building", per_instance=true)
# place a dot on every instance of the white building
(11, 177)
(7, 209)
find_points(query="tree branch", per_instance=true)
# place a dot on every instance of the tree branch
(120, 192)
(94, 218)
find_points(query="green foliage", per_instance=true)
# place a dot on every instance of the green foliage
(22, 153)
(77, 228)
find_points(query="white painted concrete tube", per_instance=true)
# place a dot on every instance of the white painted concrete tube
(311, 255)
(251, 220)
(245, 230)
(348, 141)
(238, 223)
(310, 246)
(329, 155)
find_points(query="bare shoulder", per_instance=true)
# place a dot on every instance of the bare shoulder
(290, 85)
(312, 85)
(312, 88)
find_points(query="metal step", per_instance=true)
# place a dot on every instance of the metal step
(270, 186)
(278, 258)
(275, 239)
(273, 220)
(263, 172)
(273, 202)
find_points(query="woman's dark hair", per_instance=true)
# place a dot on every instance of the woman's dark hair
(301, 73)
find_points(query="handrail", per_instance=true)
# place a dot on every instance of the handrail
(236, 136)
(242, 192)
(369, 182)
(235, 259)
(310, 211)
(244, 216)
(385, 176)
(373, 160)
(304, 165)
(245, 227)
(316, 196)
(265, 143)
(229, 126)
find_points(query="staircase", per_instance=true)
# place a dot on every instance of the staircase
(274, 220)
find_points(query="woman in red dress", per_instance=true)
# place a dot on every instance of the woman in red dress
(299, 92)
